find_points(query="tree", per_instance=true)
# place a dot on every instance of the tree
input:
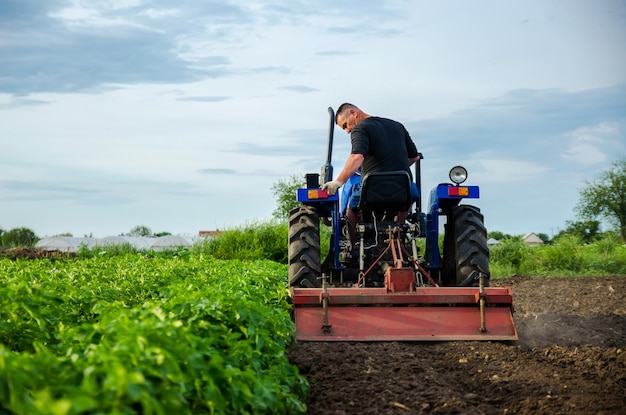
(587, 231)
(499, 236)
(606, 197)
(140, 230)
(19, 237)
(285, 193)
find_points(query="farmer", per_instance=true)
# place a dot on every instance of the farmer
(378, 145)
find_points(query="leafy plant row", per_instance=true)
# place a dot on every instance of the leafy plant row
(136, 335)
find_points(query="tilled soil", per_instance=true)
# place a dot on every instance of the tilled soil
(570, 359)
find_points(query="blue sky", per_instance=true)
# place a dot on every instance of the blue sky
(180, 115)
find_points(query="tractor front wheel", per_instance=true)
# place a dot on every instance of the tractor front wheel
(465, 250)
(304, 247)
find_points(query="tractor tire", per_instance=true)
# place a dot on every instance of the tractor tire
(304, 247)
(465, 250)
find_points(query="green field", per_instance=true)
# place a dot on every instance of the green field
(138, 334)
(184, 332)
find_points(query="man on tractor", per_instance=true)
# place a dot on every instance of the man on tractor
(378, 145)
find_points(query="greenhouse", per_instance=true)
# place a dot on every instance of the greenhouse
(167, 242)
(137, 242)
(72, 244)
(64, 243)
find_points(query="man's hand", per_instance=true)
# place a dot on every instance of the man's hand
(331, 187)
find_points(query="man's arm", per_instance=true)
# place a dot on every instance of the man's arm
(352, 165)
(413, 160)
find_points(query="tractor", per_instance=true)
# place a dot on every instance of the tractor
(381, 287)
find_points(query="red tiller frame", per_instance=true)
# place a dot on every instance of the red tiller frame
(422, 314)
(401, 312)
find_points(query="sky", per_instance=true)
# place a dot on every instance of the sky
(180, 115)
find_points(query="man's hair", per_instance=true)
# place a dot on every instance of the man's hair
(343, 108)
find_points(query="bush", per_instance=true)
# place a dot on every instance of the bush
(563, 256)
(18, 237)
(266, 240)
(511, 257)
(567, 256)
(605, 256)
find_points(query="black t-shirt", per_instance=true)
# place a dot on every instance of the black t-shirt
(385, 144)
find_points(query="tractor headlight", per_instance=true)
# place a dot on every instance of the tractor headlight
(458, 174)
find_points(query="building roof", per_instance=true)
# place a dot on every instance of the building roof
(209, 234)
(64, 243)
(532, 239)
(72, 244)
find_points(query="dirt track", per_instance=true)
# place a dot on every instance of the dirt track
(570, 359)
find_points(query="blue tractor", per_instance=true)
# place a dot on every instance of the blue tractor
(384, 270)
(465, 252)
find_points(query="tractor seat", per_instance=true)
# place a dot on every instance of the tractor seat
(388, 191)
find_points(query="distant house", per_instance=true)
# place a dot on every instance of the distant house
(209, 234)
(492, 242)
(531, 239)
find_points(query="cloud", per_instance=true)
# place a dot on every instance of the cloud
(205, 99)
(585, 143)
(217, 171)
(16, 102)
(163, 104)
(268, 150)
(73, 47)
(331, 53)
(529, 125)
(507, 171)
(105, 191)
(299, 88)
(85, 62)
(359, 30)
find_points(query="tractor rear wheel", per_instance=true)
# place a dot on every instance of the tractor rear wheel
(304, 247)
(465, 250)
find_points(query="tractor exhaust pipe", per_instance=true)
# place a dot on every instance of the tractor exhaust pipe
(327, 169)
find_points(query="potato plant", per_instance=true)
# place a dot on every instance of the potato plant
(146, 335)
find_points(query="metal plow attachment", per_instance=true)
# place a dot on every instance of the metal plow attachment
(421, 314)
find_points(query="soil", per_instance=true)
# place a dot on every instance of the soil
(570, 359)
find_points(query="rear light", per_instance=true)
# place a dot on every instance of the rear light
(317, 194)
(458, 191)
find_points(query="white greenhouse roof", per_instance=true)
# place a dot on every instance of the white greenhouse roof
(72, 244)
(64, 243)
(171, 241)
(137, 242)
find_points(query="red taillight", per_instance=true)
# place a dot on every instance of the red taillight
(318, 194)
(458, 191)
